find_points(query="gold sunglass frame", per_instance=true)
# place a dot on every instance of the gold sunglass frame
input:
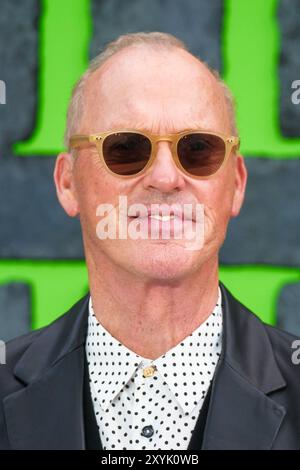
(79, 141)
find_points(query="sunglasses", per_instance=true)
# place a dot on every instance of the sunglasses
(128, 153)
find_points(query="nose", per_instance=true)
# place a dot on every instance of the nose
(163, 174)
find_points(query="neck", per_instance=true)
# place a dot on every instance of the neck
(150, 317)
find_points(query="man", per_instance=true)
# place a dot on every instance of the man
(158, 355)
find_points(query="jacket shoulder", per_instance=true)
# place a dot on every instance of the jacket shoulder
(281, 341)
(285, 346)
(263, 339)
(16, 347)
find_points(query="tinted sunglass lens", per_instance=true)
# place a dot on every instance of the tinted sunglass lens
(126, 153)
(201, 154)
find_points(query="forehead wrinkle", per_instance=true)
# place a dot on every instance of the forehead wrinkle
(155, 128)
(155, 124)
(158, 122)
(169, 126)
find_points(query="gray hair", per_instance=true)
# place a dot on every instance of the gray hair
(152, 39)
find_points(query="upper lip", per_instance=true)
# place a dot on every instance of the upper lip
(168, 210)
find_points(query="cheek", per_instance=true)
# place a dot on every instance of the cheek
(94, 187)
(218, 197)
(223, 197)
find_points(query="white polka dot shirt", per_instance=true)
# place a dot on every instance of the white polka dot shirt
(141, 403)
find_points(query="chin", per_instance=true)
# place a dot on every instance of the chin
(163, 260)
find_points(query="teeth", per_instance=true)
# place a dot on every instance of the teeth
(164, 218)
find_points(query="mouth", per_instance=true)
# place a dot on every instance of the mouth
(165, 215)
(157, 225)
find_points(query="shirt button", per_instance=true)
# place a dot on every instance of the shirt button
(149, 371)
(147, 431)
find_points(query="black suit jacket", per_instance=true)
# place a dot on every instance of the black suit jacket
(254, 400)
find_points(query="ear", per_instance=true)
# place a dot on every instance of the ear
(64, 182)
(240, 185)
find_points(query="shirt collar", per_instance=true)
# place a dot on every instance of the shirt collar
(195, 359)
(108, 359)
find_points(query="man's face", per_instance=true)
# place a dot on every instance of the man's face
(162, 92)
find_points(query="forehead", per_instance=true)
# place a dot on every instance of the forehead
(159, 90)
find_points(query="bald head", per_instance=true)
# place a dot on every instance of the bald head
(154, 66)
(158, 90)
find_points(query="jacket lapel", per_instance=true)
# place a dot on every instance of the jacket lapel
(241, 413)
(47, 413)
